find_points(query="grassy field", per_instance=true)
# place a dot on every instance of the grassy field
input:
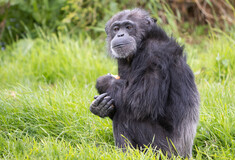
(47, 85)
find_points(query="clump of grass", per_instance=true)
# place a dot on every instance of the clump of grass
(214, 58)
(54, 58)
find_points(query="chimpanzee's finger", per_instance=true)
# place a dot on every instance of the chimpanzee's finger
(108, 104)
(110, 109)
(97, 101)
(96, 96)
(103, 110)
(93, 109)
(104, 101)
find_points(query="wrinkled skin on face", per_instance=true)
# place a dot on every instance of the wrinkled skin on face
(125, 32)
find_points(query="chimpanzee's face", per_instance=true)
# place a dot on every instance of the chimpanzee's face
(123, 43)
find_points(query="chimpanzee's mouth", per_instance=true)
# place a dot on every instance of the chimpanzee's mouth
(120, 45)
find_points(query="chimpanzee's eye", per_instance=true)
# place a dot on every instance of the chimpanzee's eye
(116, 28)
(128, 27)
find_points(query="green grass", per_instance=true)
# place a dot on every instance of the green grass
(47, 85)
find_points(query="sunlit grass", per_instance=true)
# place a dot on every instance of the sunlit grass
(47, 85)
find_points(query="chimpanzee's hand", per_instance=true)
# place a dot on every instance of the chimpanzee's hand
(103, 83)
(102, 106)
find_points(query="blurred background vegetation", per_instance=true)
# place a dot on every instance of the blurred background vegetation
(21, 17)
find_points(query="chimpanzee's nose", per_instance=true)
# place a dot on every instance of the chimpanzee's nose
(120, 35)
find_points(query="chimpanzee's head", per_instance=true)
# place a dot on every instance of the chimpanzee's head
(126, 30)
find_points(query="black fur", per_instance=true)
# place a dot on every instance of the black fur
(156, 100)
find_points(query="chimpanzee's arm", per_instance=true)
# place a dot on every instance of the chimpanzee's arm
(108, 87)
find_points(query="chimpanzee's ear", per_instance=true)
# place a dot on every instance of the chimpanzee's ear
(151, 21)
(107, 25)
(106, 29)
(154, 20)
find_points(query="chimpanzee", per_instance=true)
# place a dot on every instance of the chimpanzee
(155, 101)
